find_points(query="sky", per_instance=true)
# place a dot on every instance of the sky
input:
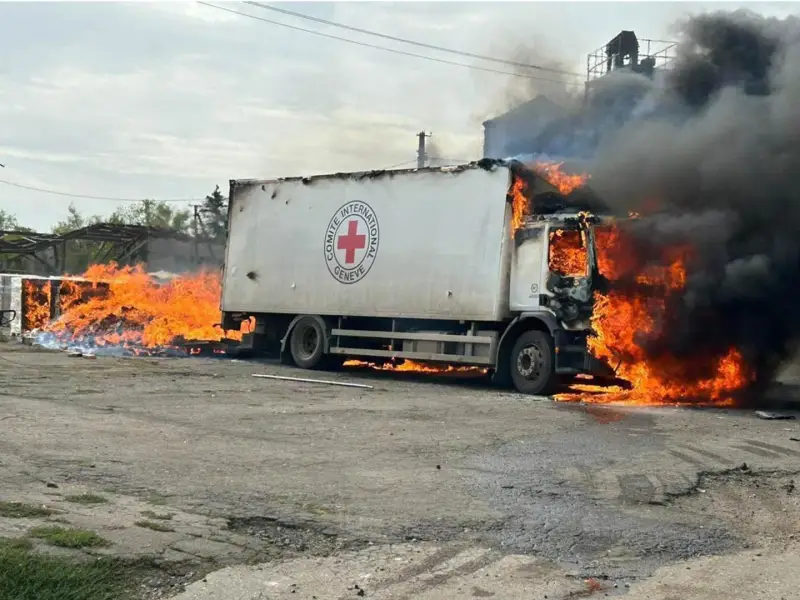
(167, 100)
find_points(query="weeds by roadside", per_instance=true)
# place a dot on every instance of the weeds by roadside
(18, 510)
(68, 538)
(15, 544)
(26, 575)
(86, 499)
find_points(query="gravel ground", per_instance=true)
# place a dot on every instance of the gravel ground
(433, 470)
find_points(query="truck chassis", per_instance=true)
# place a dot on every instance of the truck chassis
(530, 352)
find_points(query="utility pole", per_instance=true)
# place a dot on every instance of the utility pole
(147, 206)
(196, 232)
(422, 158)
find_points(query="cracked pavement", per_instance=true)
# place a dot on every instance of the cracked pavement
(420, 487)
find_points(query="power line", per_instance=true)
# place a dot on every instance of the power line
(88, 197)
(453, 160)
(384, 48)
(407, 162)
(410, 162)
(412, 42)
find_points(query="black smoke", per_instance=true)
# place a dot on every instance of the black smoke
(720, 161)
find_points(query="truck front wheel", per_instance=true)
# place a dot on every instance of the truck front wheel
(532, 364)
(307, 343)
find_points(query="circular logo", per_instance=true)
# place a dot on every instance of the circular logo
(351, 242)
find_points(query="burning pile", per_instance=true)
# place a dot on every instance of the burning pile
(37, 295)
(125, 308)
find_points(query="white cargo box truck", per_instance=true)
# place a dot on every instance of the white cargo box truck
(435, 264)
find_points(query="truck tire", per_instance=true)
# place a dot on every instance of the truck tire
(307, 343)
(532, 364)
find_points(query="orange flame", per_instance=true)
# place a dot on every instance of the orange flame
(72, 292)
(623, 316)
(36, 304)
(519, 204)
(564, 182)
(550, 172)
(567, 254)
(125, 306)
(413, 366)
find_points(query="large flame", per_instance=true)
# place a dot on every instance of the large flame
(127, 307)
(36, 294)
(636, 309)
(552, 173)
(626, 315)
(567, 252)
(564, 182)
(519, 204)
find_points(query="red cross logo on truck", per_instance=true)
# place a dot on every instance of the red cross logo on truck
(351, 242)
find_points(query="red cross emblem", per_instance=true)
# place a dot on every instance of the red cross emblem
(351, 242)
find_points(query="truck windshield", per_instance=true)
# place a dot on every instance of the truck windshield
(567, 255)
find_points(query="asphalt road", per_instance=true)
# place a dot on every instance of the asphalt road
(287, 472)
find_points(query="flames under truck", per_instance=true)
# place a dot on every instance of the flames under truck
(435, 264)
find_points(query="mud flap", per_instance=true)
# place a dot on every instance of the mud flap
(571, 352)
(598, 368)
(603, 373)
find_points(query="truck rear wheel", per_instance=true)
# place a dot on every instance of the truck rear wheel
(307, 343)
(532, 366)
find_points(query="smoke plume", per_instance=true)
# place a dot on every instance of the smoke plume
(717, 164)
(555, 83)
(435, 156)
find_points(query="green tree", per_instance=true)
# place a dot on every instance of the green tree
(214, 215)
(80, 253)
(75, 220)
(8, 222)
(13, 262)
(152, 214)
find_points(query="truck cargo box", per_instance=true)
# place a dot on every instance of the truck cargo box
(428, 243)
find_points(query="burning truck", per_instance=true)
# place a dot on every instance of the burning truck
(489, 264)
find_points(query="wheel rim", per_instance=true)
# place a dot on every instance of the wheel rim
(529, 362)
(309, 340)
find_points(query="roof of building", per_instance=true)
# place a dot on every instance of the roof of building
(544, 106)
(29, 242)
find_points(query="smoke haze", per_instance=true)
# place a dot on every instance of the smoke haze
(558, 87)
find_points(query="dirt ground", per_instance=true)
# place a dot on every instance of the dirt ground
(421, 487)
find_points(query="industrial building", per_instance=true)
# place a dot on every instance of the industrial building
(542, 126)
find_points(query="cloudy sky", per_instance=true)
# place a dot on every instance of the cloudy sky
(168, 99)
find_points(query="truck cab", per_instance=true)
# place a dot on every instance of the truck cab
(553, 279)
